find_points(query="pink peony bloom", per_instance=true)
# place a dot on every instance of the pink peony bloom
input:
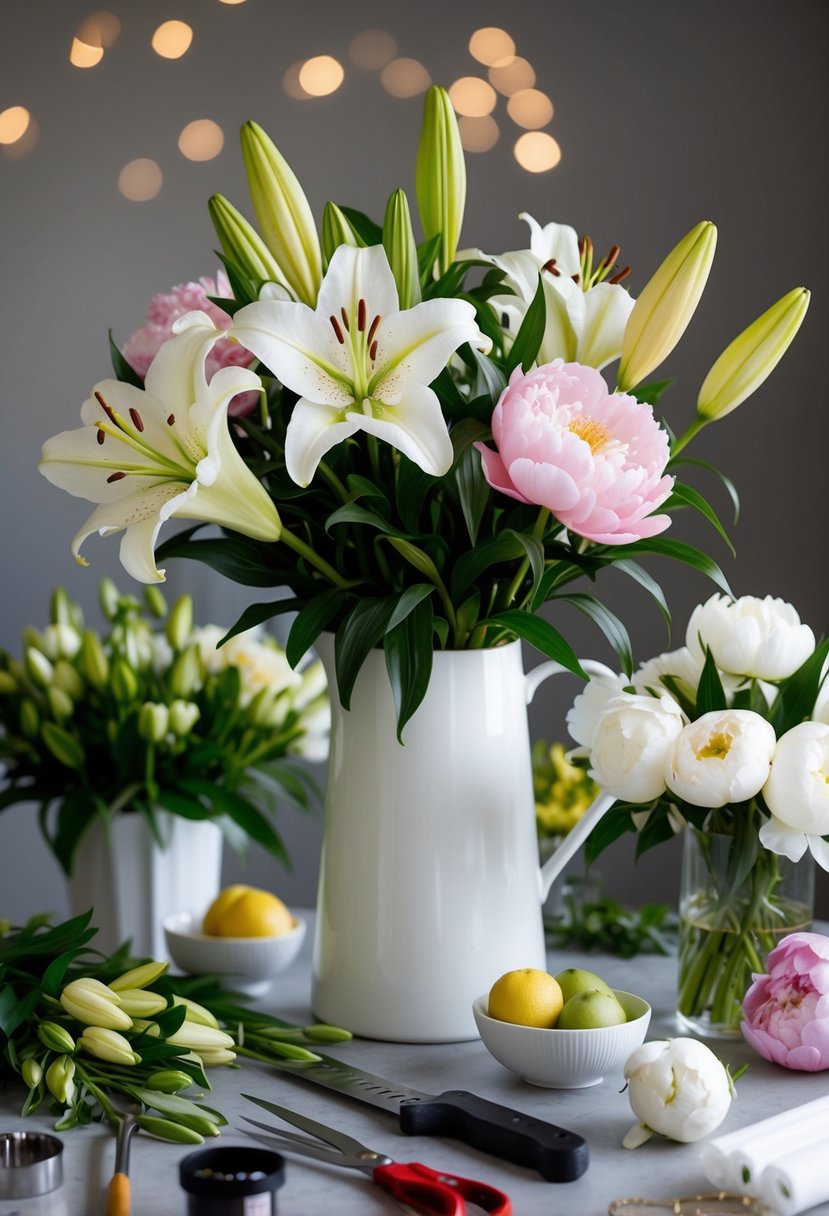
(166, 307)
(787, 1011)
(594, 458)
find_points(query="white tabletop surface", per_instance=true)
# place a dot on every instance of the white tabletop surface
(659, 1169)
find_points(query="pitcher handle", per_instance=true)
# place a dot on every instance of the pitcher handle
(535, 678)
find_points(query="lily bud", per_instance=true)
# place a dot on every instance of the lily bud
(217, 1058)
(242, 243)
(168, 1081)
(108, 1045)
(142, 1026)
(322, 1033)
(60, 705)
(663, 310)
(336, 231)
(92, 1003)
(165, 1129)
(195, 1012)
(94, 662)
(139, 1003)
(108, 598)
(401, 249)
(155, 601)
(185, 676)
(196, 1037)
(752, 356)
(8, 684)
(60, 641)
(29, 719)
(183, 717)
(55, 1037)
(38, 668)
(139, 977)
(180, 622)
(440, 175)
(284, 217)
(63, 746)
(66, 678)
(153, 720)
(59, 1080)
(124, 682)
(31, 1072)
(60, 607)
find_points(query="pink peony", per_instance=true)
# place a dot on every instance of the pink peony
(787, 1011)
(166, 307)
(594, 458)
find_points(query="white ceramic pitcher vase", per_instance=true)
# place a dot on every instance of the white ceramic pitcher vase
(430, 886)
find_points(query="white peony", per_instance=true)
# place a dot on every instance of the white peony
(797, 794)
(584, 714)
(721, 758)
(676, 1087)
(750, 637)
(631, 743)
(685, 667)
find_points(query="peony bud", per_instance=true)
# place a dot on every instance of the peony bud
(139, 977)
(180, 622)
(440, 175)
(662, 312)
(336, 231)
(761, 638)
(55, 1037)
(59, 1080)
(401, 249)
(678, 1088)
(242, 243)
(92, 1003)
(183, 717)
(108, 1045)
(153, 721)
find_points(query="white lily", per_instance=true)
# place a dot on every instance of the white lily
(359, 363)
(586, 319)
(147, 455)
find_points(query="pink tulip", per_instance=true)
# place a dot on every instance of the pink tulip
(787, 1010)
(594, 458)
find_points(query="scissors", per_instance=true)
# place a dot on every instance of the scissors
(425, 1190)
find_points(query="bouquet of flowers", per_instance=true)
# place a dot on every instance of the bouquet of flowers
(422, 448)
(150, 717)
(726, 739)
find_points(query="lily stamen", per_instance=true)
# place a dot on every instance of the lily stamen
(372, 354)
(115, 477)
(344, 316)
(373, 330)
(171, 420)
(137, 420)
(101, 436)
(335, 325)
(623, 274)
(361, 315)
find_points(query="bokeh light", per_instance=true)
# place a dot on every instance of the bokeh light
(405, 78)
(472, 96)
(201, 139)
(14, 123)
(24, 145)
(231, 1)
(172, 39)
(290, 82)
(321, 75)
(491, 46)
(372, 49)
(82, 55)
(99, 29)
(140, 180)
(530, 108)
(537, 152)
(510, 77)
(479, 134)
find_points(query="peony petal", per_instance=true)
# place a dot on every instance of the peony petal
(495, 471)
(819, 849)
(775, 836)
(545, 484)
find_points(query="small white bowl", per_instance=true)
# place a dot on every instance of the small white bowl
(248, 964)
(564, 1059)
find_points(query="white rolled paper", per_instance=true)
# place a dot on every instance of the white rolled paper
(797, 1181)
(726, 1159)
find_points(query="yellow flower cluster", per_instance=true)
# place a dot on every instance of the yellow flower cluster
(563, 791)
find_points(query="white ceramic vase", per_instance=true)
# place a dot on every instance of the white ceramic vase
(133, 884)
(430, 885)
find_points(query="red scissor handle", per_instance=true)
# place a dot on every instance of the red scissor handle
(437, 1193)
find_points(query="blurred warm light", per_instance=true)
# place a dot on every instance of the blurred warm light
(512, 76)
(537, 152)
(405, 78)
(201, 139)
(82, 55)
(472, 96)
(491, 46)
(99, 29)
(140, 180)
(372, 49)
(24, 144)
(290, 82)
(231, 1)
(530, 108)
(14, 123)
(478, 134)
(172, 39)
(321, 75)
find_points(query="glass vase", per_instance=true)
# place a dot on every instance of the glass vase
(737, 900)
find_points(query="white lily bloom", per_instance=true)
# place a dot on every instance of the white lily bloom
(722, 757)
(676, 1087)
(583, 326)
(631, 743)
(762, 638)
(797, 794)
(359, 363)
(147, 455)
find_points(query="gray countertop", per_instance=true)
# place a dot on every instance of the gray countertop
(659, 1169)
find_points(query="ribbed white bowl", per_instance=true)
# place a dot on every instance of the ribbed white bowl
(249, 964)
(564, 1059)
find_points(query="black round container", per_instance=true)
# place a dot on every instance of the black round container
(231, 1181)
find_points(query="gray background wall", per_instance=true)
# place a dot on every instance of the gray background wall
(666, 113)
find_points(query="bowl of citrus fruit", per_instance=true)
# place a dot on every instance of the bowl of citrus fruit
(247, 936)
(563, 1031)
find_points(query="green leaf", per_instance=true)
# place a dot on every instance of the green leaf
(541, 634)
(730, 488)
(14, 1012)
(649, 394)
(409, 651)
(239, 559)
(684, 495)
(359, 633)
(123, 371)
(656, 831)
(710, 693)
(367, 230)
(362, 487)
(640, 575)
(660, 546)
(248, 817)
(426, 254)
(418, 558)
(317, 615)
(534, 551)
(408, 601)
(257, 614)
(179, 803)
(54, 973)
(608, 622)
(524, 349)
(473, 491)
(610, 828)
(244, 291)
(471, 565)
(354, 513)
(797, 695)
(490, 381)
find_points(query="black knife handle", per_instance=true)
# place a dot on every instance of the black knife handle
(558, 1155)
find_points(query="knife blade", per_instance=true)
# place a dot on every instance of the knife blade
(558, 1155)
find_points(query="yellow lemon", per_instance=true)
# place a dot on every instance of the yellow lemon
(528, 997)
(241, 911)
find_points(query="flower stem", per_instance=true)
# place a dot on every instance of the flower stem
(299, 546)
(694, 429)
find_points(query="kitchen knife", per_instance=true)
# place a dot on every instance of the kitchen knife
(558, 1155)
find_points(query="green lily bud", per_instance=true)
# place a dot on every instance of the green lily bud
(186, 674)
(142, 1026)
(108, 598)
(66, 678)
(336, 231)
(60, 641)
(59, 1080)
(108, 1045)
(139, 977)
(8, 684)
(155, 601)
(32, 638)
(140, 1003)
(31, 1072)
(165, 1129)
(197, 1037)
(55, 1037)
(180, 622)
(183, 717)
(29, 719)
(242, 243)
(283, 214)
(124, 682)
(292, 1051)
(401, 249)
(94, 662)
(92, 1003)
(38, 668)
(440, 175)
(216, 1058)
(752, 356)
(60, 705)
(168, 1081)
(60, 607)
(153, 721)
(260, 708)
(64, 747)
(321, 1033)
(195, 1012)
(662, 312)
